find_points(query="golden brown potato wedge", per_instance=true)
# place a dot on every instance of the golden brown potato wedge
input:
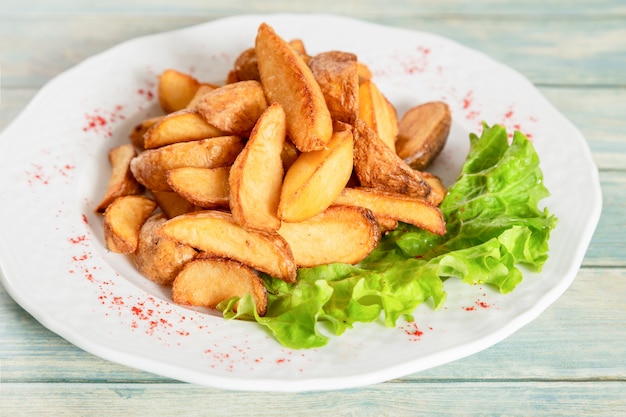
(298, 46)
(423, 133)
(386, 205)
(205, 282)
(256, 176)
(438, 191)
(378, 113)
(173, 204)
(159, 259)
(288, 80)
(232, 77)
(316, 178)
(364, 72)
(150, 167)
(217, 234)
(379, 167)
(336, 73)
(139, 131)
(203, 187)
(338, 234)
(386, 224)
(181, 126)
(202, 90)
(246, 67)
(176, 89)
(289, 154)
(123, 220)
(121, 181)
(233, 108)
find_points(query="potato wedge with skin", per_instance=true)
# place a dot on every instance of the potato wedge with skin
(173, 204)
(139, 131)
(121, 182)
(205, 282)
(150, 167)
(256, 176)
(338, 234)
(377, 166)
(159, 259)
(316, 178)
(176, 89)
(232, 77)
(378, 113)
(203, 187)
(217, 234)
(181, 126)
(423, 133)
(386, 205)
(123, 220)
(438, 191)
(233, 108)
(246, 66)
(288, 80)
(336, 73)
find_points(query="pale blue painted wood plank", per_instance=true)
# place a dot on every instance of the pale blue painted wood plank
(600, 115)
(353, 7)
(597, 399)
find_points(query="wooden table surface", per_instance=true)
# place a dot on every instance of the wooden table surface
(570, 361)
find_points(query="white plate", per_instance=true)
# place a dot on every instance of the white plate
(54, 170)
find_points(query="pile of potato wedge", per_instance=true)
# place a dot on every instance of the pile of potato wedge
(295, 161)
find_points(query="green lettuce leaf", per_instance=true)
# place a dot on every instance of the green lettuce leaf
(493, 225)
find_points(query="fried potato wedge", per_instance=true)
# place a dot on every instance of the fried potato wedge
(217, 234)
(205, 282)
(173, 204)
(316, 178)
(176, 89)
(136, 136)
(181, 126)
(438, 191)
(423, 133)
(159, 259)
(298, 46)
(121, 182)
(379, 167)
(336, 73)
(364, 72)
(246, 66)
(378, 113)
(256, 176)
(289, 154)
(202, 90)
(233, 108)
(386, 205)
(123, 220)
(338, 234)
(204, 187)
(150, 167)
(288, 80)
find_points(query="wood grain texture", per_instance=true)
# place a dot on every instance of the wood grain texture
(569, 361)
(397, 399)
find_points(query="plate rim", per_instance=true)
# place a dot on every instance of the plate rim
(278, 384)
